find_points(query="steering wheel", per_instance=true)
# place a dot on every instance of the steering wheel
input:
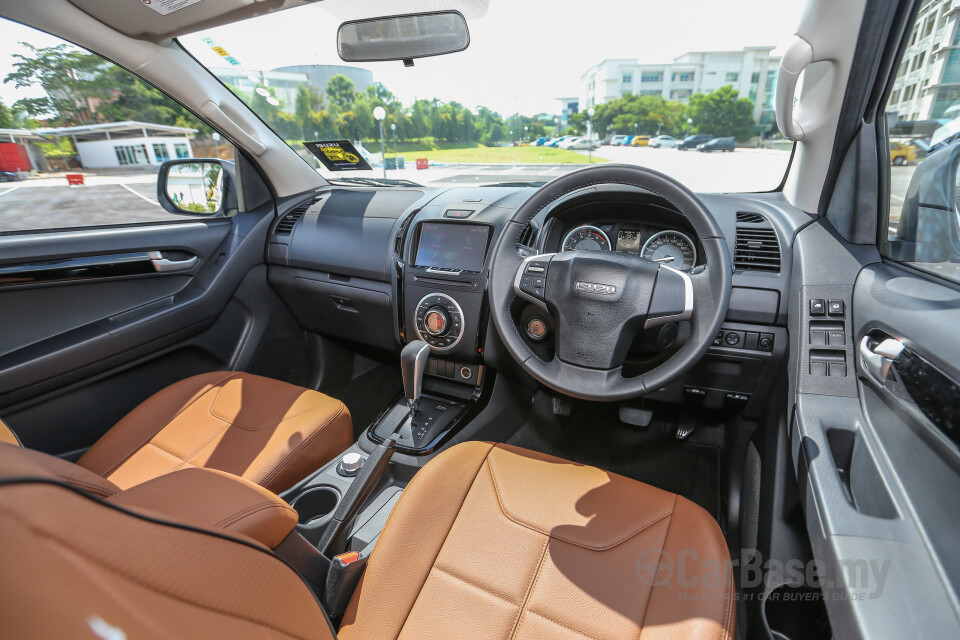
(600, 300)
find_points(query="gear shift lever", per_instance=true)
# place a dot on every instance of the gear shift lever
(413, 362)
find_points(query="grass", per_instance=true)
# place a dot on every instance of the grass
(501, 155)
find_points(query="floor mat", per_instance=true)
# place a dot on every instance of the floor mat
(594, 435)
(369, 394)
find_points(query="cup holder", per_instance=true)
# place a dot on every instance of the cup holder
(316, 503)
(794, 612)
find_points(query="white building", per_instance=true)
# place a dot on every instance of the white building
(568, 107)
(752, 71)
(286, 80)
(120, 144)
(928, 81)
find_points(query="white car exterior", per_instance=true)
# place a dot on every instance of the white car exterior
(667, 142)
(584, 143)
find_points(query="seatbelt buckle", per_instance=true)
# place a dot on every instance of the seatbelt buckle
(345, 571)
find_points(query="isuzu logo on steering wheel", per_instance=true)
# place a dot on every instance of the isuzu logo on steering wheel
(595, 287)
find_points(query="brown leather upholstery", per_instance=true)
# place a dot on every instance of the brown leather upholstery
(20, 462)
(75, 567)
(7, 435)
(269, 432)
(213, 499)
(498, 542)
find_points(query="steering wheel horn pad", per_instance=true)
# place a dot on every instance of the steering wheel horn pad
(599, 301)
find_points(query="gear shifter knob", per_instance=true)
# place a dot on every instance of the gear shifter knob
(413, 362)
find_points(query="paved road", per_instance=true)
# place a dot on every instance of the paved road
(47, 202)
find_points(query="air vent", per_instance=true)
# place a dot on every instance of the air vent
(757, 247)
(526, 236)
(752, 218)
(289, 221)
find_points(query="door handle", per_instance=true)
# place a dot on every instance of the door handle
(163, 265)
(878, 359)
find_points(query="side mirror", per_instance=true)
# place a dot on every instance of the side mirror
(198, 186)
(928, 226)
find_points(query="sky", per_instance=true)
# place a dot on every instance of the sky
(522, 55)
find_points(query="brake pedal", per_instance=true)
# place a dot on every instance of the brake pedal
(635, 416)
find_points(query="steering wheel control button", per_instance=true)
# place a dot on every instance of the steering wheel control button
(818, 307)
(536, 329)
(439, 321)
(835, 307)
(718, 341)
(350, 464)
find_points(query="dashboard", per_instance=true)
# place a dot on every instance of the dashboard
(382, 267)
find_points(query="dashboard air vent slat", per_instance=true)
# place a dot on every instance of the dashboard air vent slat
(289, 221)
(757, 247)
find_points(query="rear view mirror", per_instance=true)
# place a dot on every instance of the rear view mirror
(403, 37)
(197, 187)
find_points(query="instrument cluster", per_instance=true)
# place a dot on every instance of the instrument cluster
(667, 246)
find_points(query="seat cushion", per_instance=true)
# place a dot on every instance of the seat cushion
(493, 541)
(266, 431)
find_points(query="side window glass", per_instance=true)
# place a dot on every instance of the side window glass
(923, 117)
(82, 140)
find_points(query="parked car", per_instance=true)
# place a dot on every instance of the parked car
(668, 142)
(619, 141)
(691, 142)
(901, 154)
(640, 141)
(569, 140)
(584, 143)
(718, 144)
(9, 176)
(556, 142)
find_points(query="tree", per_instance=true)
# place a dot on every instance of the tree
(341, 92)
(6, 117)
(722, 113)
(309, 101)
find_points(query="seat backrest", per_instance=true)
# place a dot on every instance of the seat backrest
(76, 566)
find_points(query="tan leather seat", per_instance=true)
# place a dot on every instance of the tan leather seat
(77, 566)
(499, 542)
(266, 431)
(487, 541)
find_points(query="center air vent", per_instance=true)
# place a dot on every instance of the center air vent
(757, 247)
(289, 221)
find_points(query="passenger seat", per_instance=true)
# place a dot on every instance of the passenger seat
(268, 432)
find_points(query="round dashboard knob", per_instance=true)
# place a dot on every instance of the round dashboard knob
(436, 321)
(351, 462)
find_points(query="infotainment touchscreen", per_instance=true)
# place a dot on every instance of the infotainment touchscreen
(446, 245)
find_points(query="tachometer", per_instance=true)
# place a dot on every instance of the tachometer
(586, 238)
(671, 248)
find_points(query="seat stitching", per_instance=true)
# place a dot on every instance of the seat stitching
(577, 543)
(560, 624)
(475, 585)
(663, 543)
(196, 452)
(88, 486)
(290, 456)
(727, 632)
(135, 579)
(282, 420)
(445, 537)
(246, 512)
(148, 439)
(533, 582)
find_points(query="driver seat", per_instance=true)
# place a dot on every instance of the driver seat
(487, 541)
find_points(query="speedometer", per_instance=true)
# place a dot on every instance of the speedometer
(586, 238)
(671, 248)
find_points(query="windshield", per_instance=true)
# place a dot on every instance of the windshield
(542, 89)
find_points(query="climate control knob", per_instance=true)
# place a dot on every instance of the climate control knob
(436, 321)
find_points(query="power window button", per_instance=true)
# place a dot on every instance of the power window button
(835, 307)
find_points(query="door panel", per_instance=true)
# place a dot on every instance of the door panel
(97, 343)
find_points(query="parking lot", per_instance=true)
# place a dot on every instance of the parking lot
(123, 197)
